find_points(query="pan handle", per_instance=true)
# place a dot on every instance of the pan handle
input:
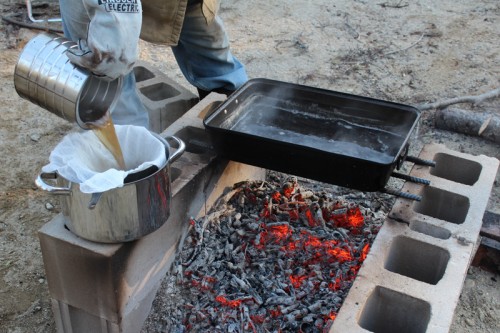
(41, 184)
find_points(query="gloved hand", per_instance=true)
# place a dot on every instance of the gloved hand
(111, 47)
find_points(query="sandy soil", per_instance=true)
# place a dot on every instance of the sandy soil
(404, 51)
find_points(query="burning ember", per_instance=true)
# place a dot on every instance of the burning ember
(273, 258)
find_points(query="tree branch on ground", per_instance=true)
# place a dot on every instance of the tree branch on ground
(474, 100)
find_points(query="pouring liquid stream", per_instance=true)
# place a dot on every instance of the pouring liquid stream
(104, 129)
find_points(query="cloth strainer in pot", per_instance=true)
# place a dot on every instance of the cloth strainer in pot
(82, 158)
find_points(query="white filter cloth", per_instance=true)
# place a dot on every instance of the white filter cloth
(82, 158)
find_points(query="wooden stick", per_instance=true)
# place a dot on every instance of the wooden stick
(465, 99)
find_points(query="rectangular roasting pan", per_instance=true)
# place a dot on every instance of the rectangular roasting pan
(328, 136)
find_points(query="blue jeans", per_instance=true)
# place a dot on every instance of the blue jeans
(203, 55)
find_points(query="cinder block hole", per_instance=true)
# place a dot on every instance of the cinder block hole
(174, 173)
(196, 139)
(456, 169)
(159, 91)
(142, 74)
(417, 260)
(430, 230)
(81, 320)
(388, 311)
(443, 205)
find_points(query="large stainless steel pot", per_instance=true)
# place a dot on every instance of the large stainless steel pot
(122, 214)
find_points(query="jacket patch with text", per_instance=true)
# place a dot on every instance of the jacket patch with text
(120, 6)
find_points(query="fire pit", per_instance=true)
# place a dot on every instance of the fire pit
(274, 257)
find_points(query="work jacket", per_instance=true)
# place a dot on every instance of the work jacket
(162, 19)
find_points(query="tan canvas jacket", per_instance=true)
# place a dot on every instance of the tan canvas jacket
(162, 19)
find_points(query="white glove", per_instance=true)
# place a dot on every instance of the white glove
(111, 47)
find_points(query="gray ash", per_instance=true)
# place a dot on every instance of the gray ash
(271, 257)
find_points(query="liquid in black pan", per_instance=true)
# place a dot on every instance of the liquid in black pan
(333, 131)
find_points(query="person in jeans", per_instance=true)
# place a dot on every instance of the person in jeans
(107, 33)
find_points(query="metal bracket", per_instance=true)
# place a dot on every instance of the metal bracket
(32, 19)
(410, 178)
(404, 195)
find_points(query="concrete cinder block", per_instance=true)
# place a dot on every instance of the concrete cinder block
(413, 276)
(164, 98)
(110, 287)
(67, 317)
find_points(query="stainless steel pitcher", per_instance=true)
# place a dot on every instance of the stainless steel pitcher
(45, 76)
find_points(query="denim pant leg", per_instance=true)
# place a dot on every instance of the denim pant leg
(128, 109)
(204, 56)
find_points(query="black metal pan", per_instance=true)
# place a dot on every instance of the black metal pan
(319, 134)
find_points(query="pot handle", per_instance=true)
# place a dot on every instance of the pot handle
(41, 184)
(180, 149)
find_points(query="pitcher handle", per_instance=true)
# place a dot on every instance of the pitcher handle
(41, 184)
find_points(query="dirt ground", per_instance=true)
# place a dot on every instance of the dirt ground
(410, 52)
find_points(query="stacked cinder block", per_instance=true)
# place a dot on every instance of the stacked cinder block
(103, 288)
(413, 276)
(165, 100)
